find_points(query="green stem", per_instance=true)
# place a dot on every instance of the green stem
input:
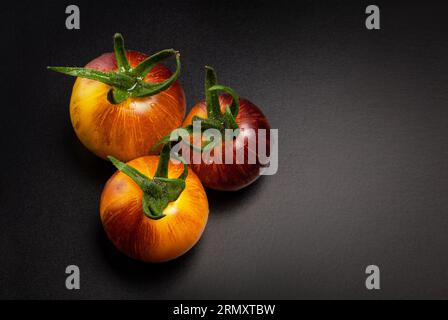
(143, 88)
(127, 81)
(162, 167)
(214, 114)
(120, 54)
(139, 178)
(215, 118)
(235, 106)
(231, 112)
(159, 191)
(113, 79)
(211, 97)
(146, 65)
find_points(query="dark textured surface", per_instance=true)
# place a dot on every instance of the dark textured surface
(363, 176)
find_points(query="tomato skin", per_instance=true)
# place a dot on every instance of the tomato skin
(127, 130)
(232, 177)
(143, 238)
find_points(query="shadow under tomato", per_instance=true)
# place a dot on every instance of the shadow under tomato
(227, 201)
(142, 273)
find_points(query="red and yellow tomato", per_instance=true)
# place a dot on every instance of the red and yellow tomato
(126, 128)
(233, 176)
(141, 237)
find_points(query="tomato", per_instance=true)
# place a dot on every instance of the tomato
(149, 226)
(123, 103)
(221, 112)
(231, 177)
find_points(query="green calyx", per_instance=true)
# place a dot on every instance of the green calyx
(159, 191)
(216, 119)
(127, 81)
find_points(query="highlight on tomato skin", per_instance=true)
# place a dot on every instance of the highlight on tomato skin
(122, 103)
(232, 177)
(150, 231)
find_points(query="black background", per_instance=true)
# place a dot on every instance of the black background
(363, 126)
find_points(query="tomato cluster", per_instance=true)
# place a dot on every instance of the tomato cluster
(125, 106)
